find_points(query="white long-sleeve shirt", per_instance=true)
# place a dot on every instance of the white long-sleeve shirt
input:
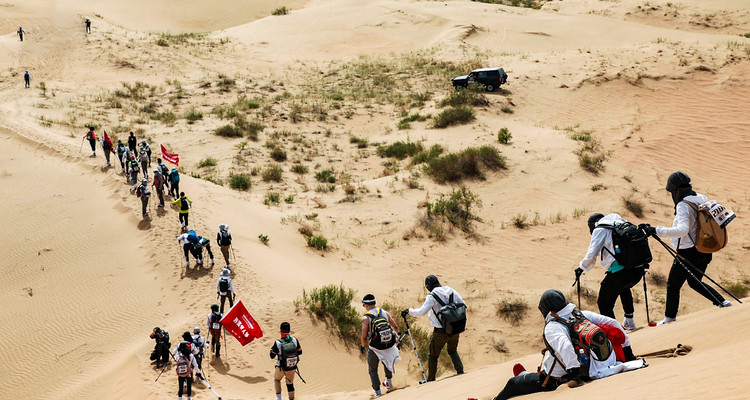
(218, 286)
(193, 348)
(558, 337)
(201, 342)
(182, 238)
(443, 292)
(601, 238)
(193, 363)
(685, 225)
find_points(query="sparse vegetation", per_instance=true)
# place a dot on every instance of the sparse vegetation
(447, 212)
(207, 162)
(289, 199)
(633, 205)
(360, 142)
(228, 131)
(405, 123)
(520, 221)
(263, 239)
(428, 155)
(333, 305)
(272, 173)
(239, 181)
(299, 169)
(281, 11)
(739, 289)
(400, 150)
(657, 278)
(318, 242)
(504, 136)
(272, 199)
(468, 163)
(597, 187)
(278, 154)
(326, 176)
(512, 309)
(471, 96)
(453, 116)
(193, 115)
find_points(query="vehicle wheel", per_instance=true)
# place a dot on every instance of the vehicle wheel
(489, 88)
(459, 87)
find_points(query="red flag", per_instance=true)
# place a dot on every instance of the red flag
(241, 324)
(169, 157)
(108, 140)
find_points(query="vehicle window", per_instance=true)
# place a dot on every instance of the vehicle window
(482, 74)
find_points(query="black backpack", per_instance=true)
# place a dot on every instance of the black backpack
(381, 334)
(452, 316)
(184, 349)
(223, 284)
(288, 357)
(631, 245)
(197, 343)
(224, 238)
(215, 326)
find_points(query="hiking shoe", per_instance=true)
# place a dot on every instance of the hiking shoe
(666, 320)
(388, 384)
(200, 262)
(628, 324)
(518, 369)
(378, 393)
(212, 262)
(725, 303)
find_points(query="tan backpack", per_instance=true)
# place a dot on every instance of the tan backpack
(710, 236)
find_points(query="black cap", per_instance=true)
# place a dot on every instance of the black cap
(552, 300)
(214, 307)
(677, 180)
(431, 282)
(187, 336)
(368, 299)
(593, 219)
(285, 327)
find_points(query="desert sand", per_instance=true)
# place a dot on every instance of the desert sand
(660, 85)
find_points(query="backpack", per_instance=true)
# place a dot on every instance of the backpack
(630, 243)
(175, 175)
(586, 335)
(198, 345)
(215, 323)
(183, 366)
(184, 204)
(164, 170)
(452, 316)
(134, 166)
(712, 219)
(138, 191)
(224, 239)
(381, 334)
(288, 357)
(223, 284)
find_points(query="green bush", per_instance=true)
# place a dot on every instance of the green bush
(405, 123)
(299, 169)
(470, 96)
(281, 11)
(400, 150)
(504, 136)
(318, 242)
(360, 142)
(428, 155)
(633, 205)
(240, 181)
(453, 116)
(468, 163)
(289, 199)
(333, 305)
(456, 209)
(193, 115)
(326, 176)
(207, 162)
(278, 154)
(272, 173)
(272, 198)
(228, 131)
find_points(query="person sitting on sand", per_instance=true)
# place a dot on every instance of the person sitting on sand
(566, 361)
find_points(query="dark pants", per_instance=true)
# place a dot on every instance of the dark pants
(106, 155)
(208, 248)
(184, 219)
(618, 284)
(372, 368)
(229, 295)
(20, 35)
(160, 193)
(526, 384)
(175, 190)
(678, 276)
(27, 82)
(438, 340)
(122, 163)
(162, 353)
(186, 248)
(181, 381)
(88, 28)
(216, 342)
(134, 177)
(144, 204)
(92, 143)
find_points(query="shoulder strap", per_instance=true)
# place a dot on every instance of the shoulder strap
(696, 209)
(435, 296)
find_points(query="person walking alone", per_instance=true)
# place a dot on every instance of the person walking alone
(20, 33)
(683, 232)
(380, 339)
(439, 338)
(88, 25)
(225, 288)
(132, 143)
(224, 239)
(185, 204)
(27, 79)
(288, 350)
(91, 137)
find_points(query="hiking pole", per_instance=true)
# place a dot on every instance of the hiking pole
(226, 354)
(687, 265)
(162, 371)
(233, 256)
(81, 149)
(414, 345)
(300, 376)
(210, 388)
(578, 282)
(645, 295)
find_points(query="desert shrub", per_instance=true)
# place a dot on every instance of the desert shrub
(512, 309)
(250, 129)
(318, 242)
(240, 181)
(520, 221)
(597, 187)
(657, 278)
(592, 162)
(306, 230)
(263, 239)
(299, 169)
(633, 205)
(272, 173)
(166, 117)
(289, 199)
(507, 110)
(455, 209)
(360, 142)
(207, 162)
(504, 136)
(738, 289)
(92, 125)
(278, 154)
(281, 11)
(405, 123)
(400, 150)
(326, 176)
(333, 305)
(272, 199)
(468, 163)
(228, 131)
(428, 155)
(453, 116)
(193, 115)
(470, 96)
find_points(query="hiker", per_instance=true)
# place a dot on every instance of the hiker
(185, 204)
(214, 328)
(199, 243)
(27, 79)
(159, 186)
(161, 349)
(174, 181)
(132, 142)
(187, 248)
(618, 280)
(133, 169)
(126, 159)
(145, 194)
(164, 171)
(187, 339)
(91, 137)
(224, 239)
(565, 359)
(380, 338)
(120, 150)
(145, 153)
(225, 288)
(437, 298)
(288, 350)
(200, 343)
(107, 147)
(186, 364)
(88, 25)
(20, 33)
(683, 232)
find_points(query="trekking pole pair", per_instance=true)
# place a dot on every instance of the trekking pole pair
(414, 346)
(690, 268)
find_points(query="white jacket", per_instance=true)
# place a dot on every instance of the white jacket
(601, 238)
(218, 286)
(443, 292)
(558, 337)
(685, 225)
